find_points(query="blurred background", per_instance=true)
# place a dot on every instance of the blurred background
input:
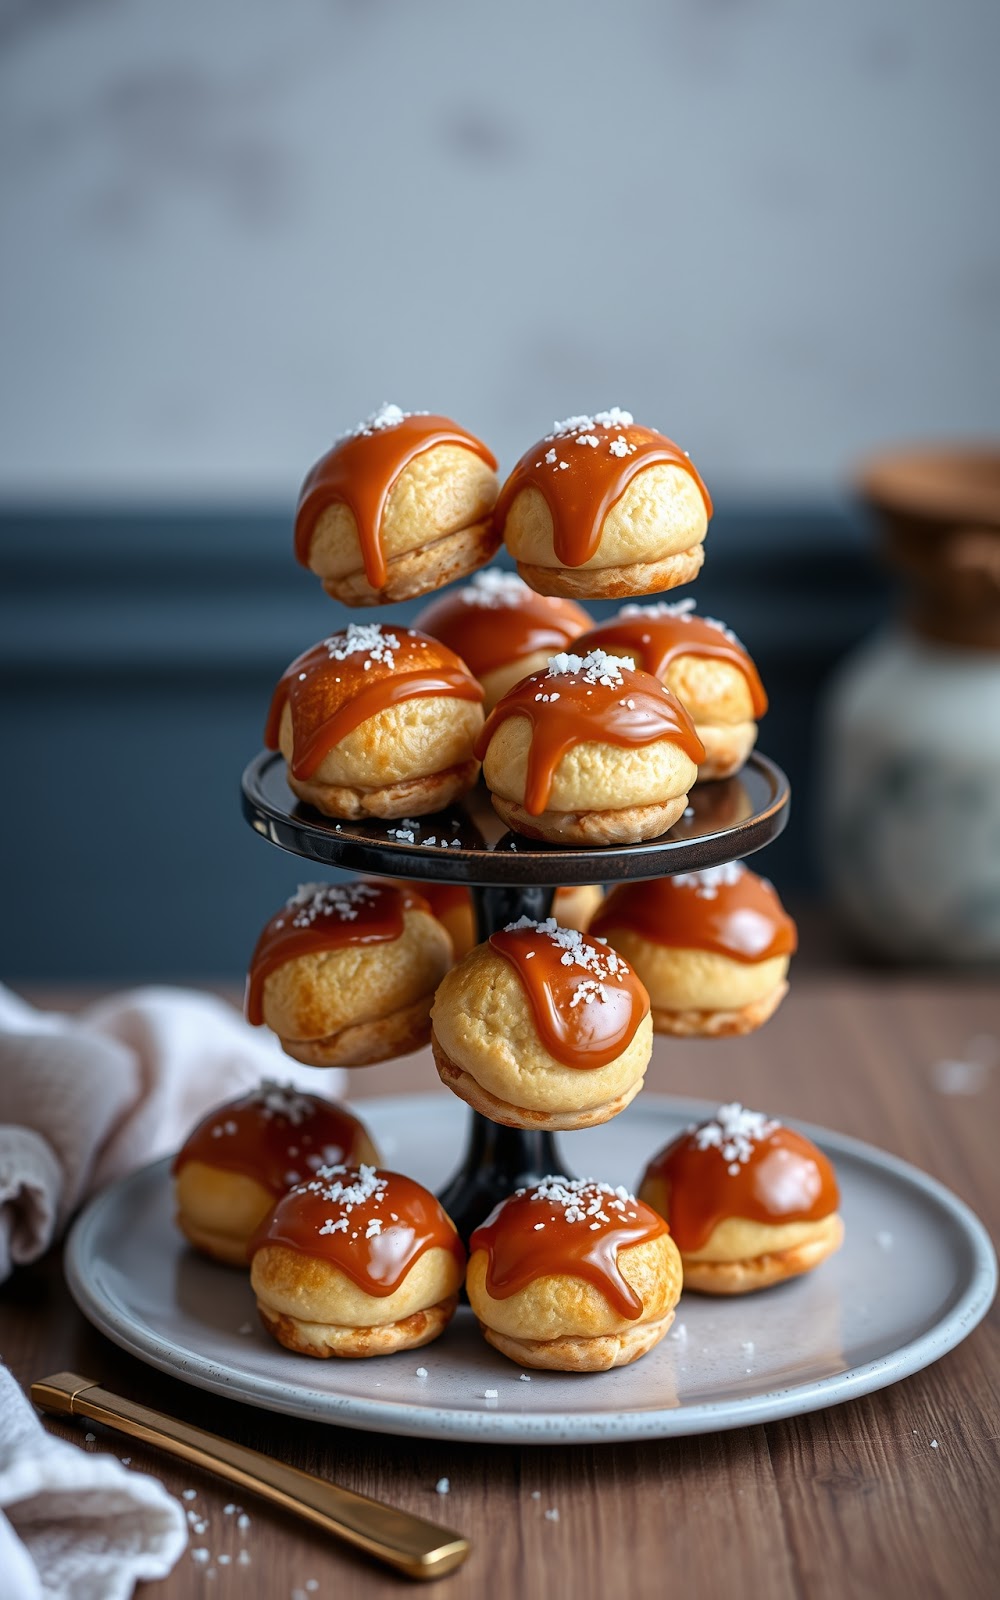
(769, 228)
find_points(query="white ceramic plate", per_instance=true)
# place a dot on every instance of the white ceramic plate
(916, 1274)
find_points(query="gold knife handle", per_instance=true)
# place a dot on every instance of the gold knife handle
(418, 1548)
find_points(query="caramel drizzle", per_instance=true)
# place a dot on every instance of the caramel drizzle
(329, 698)
(580, 497)
(744, 920)
(359, 472)
(656, 642)
(785, 1179)
(378, 919)
(269, 1146)
(519, 1252)
(639, 711)
(491, 636)
(441, 898)
(578, 1032)
(378, 1262)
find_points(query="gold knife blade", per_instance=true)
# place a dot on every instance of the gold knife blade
(406, 1542)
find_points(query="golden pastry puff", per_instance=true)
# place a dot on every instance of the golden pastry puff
(749, 1202)
(605, 508)
(704, 664)
(345, 974)
(538, 1028)
(403, 503)
(573, 1275)
(589, 752)
(711, 947)
(573, 905)
(377, 722)
(356, 1262)
(246, 1154)
(501, 629)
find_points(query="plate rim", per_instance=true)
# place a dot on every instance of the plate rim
(550, 867)
(468, 1425)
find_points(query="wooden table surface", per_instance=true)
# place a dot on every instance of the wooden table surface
(852, 1501)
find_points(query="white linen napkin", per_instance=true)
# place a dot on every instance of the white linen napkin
(85, 1098)
(76, 1526)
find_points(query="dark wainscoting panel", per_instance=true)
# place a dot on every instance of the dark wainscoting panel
(137, 655)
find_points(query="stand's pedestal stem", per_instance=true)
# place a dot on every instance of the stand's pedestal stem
(498, 1160)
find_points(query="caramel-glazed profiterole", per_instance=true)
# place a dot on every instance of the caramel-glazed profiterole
(359, 472)
(381, 1224)
(342, 681)
(276, 1135)
(586, 1001)
(581, 482)
(327, 918)
(582, 700)
(740, 1165)
(550, 1231)
(655, 636)
(727, 910)
(750, 1203)
(497, 619)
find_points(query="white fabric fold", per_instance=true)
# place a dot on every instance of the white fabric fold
(76, 1525)
(85, 1098)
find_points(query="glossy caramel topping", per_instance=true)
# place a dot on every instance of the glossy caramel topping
(370, 1224)
(570, 1228)
(584, 699)
(326, 916)
(582, 468)
(741, 1165)
(362, 467)
(497, 619)
(342, 681)
(586, 1000)
(655, 636)
(275, 1135)
(441, 898)
(727, 909)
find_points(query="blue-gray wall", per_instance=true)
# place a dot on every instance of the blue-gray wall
(137, 657)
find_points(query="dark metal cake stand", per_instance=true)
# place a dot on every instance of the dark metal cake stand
(509, 877)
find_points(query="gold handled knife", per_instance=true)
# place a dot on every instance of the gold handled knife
(408, 1543)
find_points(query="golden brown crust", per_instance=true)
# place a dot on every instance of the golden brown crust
(362, 1044)
(327, 1339)
(416, 797)
(744, 1277)
(727, 746)
(693, 1024)
(577, 1353)
(615, 583)
(416, 572)
(598, 828)
(219, 1246)
(472, 1092)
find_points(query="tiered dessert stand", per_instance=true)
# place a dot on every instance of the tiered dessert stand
(867, 1319)
(510, 876)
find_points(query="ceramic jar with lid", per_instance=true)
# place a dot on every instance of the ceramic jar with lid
(911, 731)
